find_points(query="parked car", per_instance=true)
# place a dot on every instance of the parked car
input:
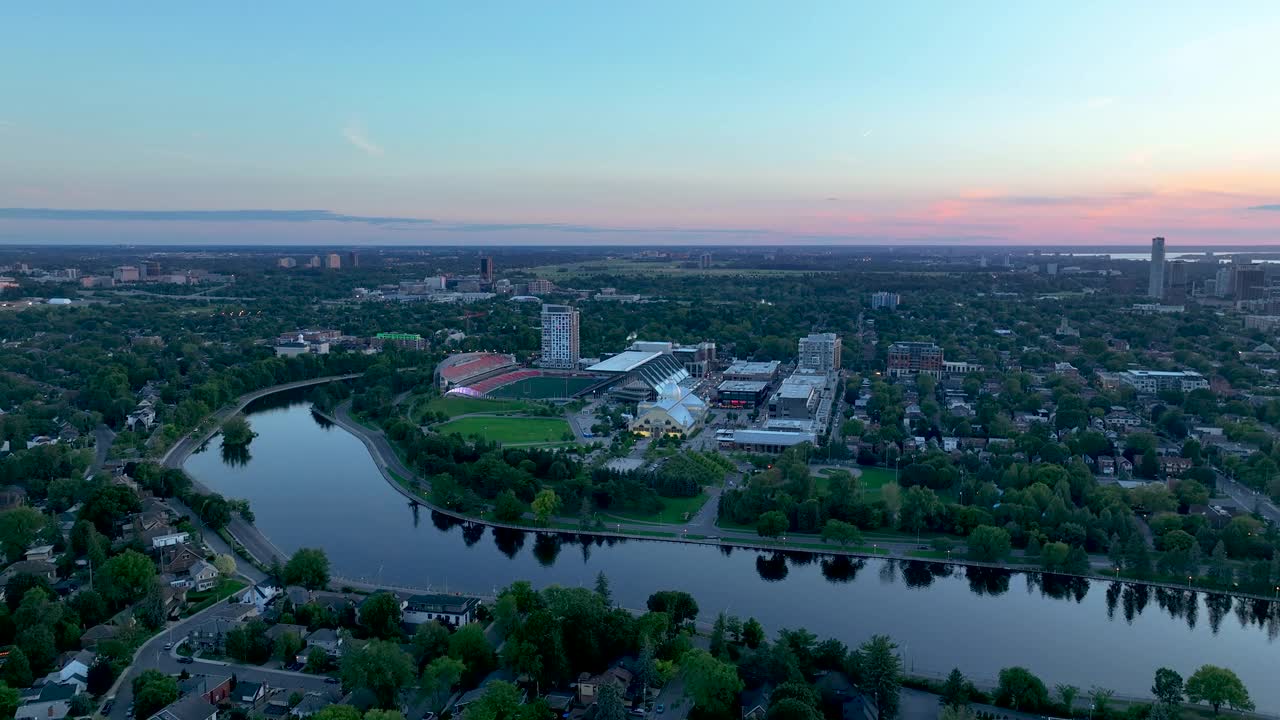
(168, 646)
(331, 680)
(660, 708)
(106, 707)
(185, 660)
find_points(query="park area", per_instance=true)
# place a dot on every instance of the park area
(510, 430)
(453, 406)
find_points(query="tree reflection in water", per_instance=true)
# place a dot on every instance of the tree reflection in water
(772, 568)
(842, 568)
(546, 548)
(236, 455)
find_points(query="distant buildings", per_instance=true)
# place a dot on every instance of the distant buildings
(820, 352)
(747, 371)
(286, 262)
(126, 274)
(538, 286)
(1248, 282)
(886, 300)
(300, 346)
(908, 359)
(1155, 287)
(559, 337)
(704, 261)
(333, 261)
(409, 341)
(1154, 381)
(353, 259)
(486, 267)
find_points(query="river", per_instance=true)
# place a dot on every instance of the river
(314, 485)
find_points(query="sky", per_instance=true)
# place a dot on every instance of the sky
(662, 122)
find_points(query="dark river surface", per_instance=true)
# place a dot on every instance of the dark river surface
(315, 486)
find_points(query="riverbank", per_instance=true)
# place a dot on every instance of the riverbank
(398, 476)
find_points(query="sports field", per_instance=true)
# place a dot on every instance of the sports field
(509, 430)
(537, 388)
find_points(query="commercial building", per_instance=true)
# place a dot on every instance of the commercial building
(748, 370)
(301, 346)
(559, 337)
(409, 341)
(820, 352)
(333, 261)
(704, 261)
(1153, 381)
(1176, 292)
(886, 300)
(486, 268)
(1155, 286)
(1249, 282)
(908, 359)
(676, 411)
(744, 394)
(762, 441)
(353, 259)
(697, 359)
(126, 274)
(538, 286)
(640, 375)
(1266, 323)
(286, 262)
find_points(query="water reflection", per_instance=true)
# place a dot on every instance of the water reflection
(842, 568)
(988, 581)
(772, 568)
(236, 455)
(546, 548)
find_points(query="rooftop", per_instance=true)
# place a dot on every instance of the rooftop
(747, 367)
(624, 362)
(752, 386)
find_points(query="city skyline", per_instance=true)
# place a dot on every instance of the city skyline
(741, 124)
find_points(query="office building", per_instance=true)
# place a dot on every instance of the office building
(704, 261)
(1155, 288)
(486, 268)
(1248, 282)
(314, 262)
(333, 261)
(1177, 281)
(908, 359)
(820, 352)
(559, 337)
(126, 274)
(353, 259)
(747, 371)
(286, 262)
(886, 300)
(743, 394)
(539, 286)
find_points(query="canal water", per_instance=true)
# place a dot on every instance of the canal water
(311, 484)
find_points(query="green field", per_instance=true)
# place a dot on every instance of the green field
(673, 510)
(540, 388)
(454, 406)
(622, 266)
(509, 430)
(873, 478)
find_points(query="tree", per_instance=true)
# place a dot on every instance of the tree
(752, 633)
(127, 576)
(609, 704)
(501, 701)
(956, 689)
(152, 690)
(236, 432)
(881, 670)
(545, 505)
(1218, 686)
(317, 661)
(9, 700)
(792, 709)
(679, 605)
(772, 524)
(309, 567)
(714, 685)
(80, 706)
(17, 670)
(337, 712)
(101, 676)
(380, 667)
(439, 677)
(430, 641)
(602, 588)
(841, 533)
(1067, 694)
(225, 564)
(287, 647)
(988, 544)
(380, 615)
(469, 645)
(1168, 688)
(507, 507)
(19, 528)
(919, 507)
(962, 712)
(719, 644)
(1021, 690)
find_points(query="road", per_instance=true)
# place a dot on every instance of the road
(153, 656)
(103, 437)
(1249, 499)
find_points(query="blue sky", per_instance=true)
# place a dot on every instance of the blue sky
(507, 122)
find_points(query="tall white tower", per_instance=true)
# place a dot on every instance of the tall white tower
(559, 337)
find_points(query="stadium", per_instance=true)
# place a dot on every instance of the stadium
(490, 375)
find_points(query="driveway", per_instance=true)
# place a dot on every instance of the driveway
(675, 705)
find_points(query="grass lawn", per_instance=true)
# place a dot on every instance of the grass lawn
(673, 511)
(454, 406)
(873, 478)
(201, 600)
(512, 430)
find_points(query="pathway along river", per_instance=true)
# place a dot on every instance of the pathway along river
(314, 485)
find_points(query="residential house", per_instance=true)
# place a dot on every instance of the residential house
(178, 559)
(754, 703)
(275, 632)
(840, 698)
(40, 553)
(311, 704)
(1107, 465)
(165, 536)
(453, 610)
(173, 598)
(12, 496)
(213, 688)
(259, 596)
(34, 567)
(326, 639)
(73, 667)
(203, 575)
(589, 686)
(249, 693)
(191, 707)
(211, 633)
(51, 701)
(1121, 420)
(96, 634)
(1173, 466)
